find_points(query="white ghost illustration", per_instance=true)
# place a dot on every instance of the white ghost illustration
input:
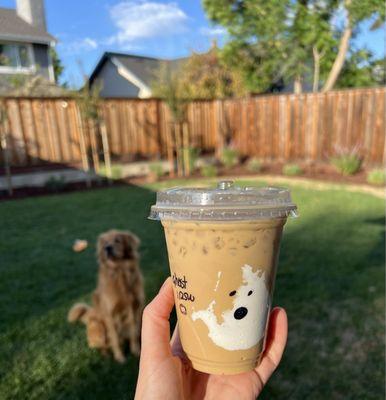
(243, 326)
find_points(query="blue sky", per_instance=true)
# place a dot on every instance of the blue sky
(167, 29)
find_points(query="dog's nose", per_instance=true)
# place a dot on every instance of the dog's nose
(109, 249)
(240, 313)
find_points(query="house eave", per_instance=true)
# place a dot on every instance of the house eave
(144, 90)
(28, 39)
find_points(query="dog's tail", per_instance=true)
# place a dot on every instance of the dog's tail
(78, 312)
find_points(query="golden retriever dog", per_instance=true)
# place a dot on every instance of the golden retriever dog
(118, 300)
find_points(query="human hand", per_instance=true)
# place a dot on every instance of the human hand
(166, 373)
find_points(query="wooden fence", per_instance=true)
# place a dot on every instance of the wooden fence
(277, 127)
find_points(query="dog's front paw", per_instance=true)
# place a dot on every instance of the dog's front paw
(135, 350)
(120, 358)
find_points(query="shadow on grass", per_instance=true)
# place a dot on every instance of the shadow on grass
(330, 280)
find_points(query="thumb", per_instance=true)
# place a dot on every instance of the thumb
(155, 323)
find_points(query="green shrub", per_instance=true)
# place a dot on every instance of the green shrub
(292, 170)
(55, 184)
(348, 164)
(157, 170)
(347, 161)
(254, 165)
(377, 177)
(209, 171)
(229, 157)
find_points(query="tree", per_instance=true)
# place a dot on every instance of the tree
(200, 76)
(167, 86)
(57, 64)
(355, 11)
(289, 39)
(206, 76)
(362, 69)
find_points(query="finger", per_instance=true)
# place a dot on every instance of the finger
(275, 344)
(155, 320)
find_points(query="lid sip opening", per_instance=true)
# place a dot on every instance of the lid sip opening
(226, 202)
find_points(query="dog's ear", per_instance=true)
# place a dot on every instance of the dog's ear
(135, 242)
(131, 242)
(99, 248)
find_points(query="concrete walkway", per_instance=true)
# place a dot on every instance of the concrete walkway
(40, 178)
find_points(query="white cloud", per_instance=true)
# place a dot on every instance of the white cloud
(79, 46)
(141, 19)
(215, 31)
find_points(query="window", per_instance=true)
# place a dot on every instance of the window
(15, 57)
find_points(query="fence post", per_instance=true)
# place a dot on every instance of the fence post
(7, 167)
(4, 148)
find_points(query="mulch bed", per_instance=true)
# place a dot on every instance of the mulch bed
(322, 172)
(319, 172)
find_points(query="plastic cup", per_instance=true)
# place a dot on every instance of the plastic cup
(223, 247)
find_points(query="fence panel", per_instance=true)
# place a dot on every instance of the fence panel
(307, 127)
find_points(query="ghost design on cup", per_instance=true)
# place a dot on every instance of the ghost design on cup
(243, 326)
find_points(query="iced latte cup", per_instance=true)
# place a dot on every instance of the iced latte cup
(223, 246)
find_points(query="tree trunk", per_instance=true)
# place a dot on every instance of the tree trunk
(94, 146)
(82, 145)
(177, 135)
(106, 150)
(317, 57)
(186, 149)
(169, 149)
(298, 85)
(341, 56)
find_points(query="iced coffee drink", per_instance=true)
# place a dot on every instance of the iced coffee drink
(223, 246)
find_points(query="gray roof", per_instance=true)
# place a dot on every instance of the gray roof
(144, 68)
(12, 27)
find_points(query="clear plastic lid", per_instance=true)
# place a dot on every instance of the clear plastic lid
(226, 202)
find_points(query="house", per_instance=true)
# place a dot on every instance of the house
(25, 43)
(132, 76)
(126, 75)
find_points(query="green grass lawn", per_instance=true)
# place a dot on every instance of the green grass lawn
(330, 279)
